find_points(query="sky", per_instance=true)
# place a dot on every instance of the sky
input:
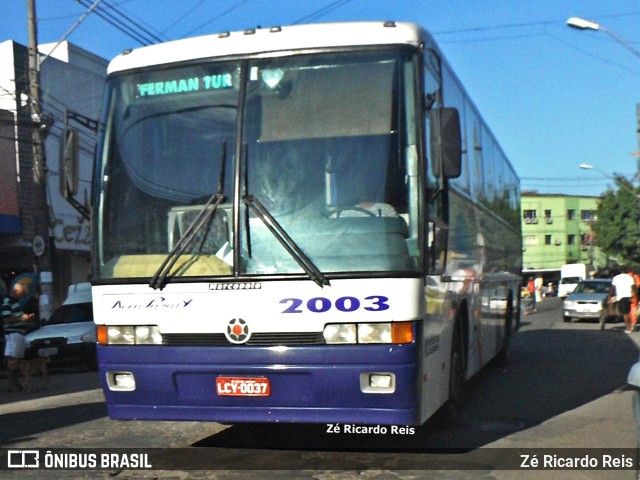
(554, 97)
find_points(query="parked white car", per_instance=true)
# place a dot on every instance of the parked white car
(70, 334)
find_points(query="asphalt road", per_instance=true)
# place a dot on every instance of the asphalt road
(564, 387)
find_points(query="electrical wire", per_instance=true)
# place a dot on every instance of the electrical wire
(73, 15)
(322, 11)
(216, 17)
(527, 24)
(592, 55)
(183, 16)
(137, 25)
(121, 25)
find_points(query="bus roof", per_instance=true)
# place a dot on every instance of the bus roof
(265, 40)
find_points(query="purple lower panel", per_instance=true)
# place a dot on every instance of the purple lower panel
(308, 384)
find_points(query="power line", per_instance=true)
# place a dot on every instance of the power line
(497, 27)
(322, 11)
(138, 25)
(536, 23)
(216, 17)
(561, 179)
(592, 55)
(124, 24)
(490, 39)
(73, 15)
(183, 16)
(68, 32)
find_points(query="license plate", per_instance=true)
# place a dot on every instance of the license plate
(47, 352)
(243, 387)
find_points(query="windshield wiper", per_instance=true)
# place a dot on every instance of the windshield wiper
(159, 279)
(285, 240)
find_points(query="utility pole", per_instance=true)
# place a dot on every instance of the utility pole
(41, 242)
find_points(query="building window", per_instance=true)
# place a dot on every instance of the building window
(530, 216)
(586, 239)
(547, 217)
(587, 216)
(547, 239)
(530, 240)
(571, 239)
(571, 214)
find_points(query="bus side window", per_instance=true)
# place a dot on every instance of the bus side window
(437, 223)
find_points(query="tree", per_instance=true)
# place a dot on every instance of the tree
(617, 227)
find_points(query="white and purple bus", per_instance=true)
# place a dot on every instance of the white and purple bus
(298, 224)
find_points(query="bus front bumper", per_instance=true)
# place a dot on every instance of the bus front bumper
(367, 384)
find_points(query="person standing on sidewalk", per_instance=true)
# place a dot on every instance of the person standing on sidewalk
(16, 324)
(623, 282)
(634, 298)
(531, 288)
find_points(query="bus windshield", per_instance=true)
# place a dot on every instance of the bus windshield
(319, 145)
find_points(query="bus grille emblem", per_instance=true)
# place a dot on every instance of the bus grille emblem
(238, 331)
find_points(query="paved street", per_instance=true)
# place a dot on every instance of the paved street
(563, 388)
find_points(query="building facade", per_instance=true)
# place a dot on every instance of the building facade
(72, 83)
(556, 229)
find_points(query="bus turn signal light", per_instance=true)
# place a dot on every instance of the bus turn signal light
(401, 332)
(102, 334)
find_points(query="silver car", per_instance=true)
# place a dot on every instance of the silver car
(586, 302)
(69, 336)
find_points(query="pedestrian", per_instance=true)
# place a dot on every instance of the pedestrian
(28, 304)
(538, 283)
(635, 289)
(15, 323)
(623, 282)
(531, 288)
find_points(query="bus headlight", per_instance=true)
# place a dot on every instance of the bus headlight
(148, 335)
(374, 333)
(352, 333)
(129, 335)
(340, 333)
(120, 335)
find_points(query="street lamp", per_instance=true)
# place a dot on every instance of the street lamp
(581, 24)
(588, 166)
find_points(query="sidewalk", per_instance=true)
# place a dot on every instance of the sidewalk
(61, 382)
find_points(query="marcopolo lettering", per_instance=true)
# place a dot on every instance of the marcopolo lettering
(236, 286)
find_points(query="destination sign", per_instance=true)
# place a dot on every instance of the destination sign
(184, 85)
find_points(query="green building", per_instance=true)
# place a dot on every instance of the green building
(556, 229)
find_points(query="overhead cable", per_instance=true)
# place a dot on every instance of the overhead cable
(118, 23)
(321, 11)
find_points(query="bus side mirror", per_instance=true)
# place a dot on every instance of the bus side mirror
(446, 142)
(69, 159)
